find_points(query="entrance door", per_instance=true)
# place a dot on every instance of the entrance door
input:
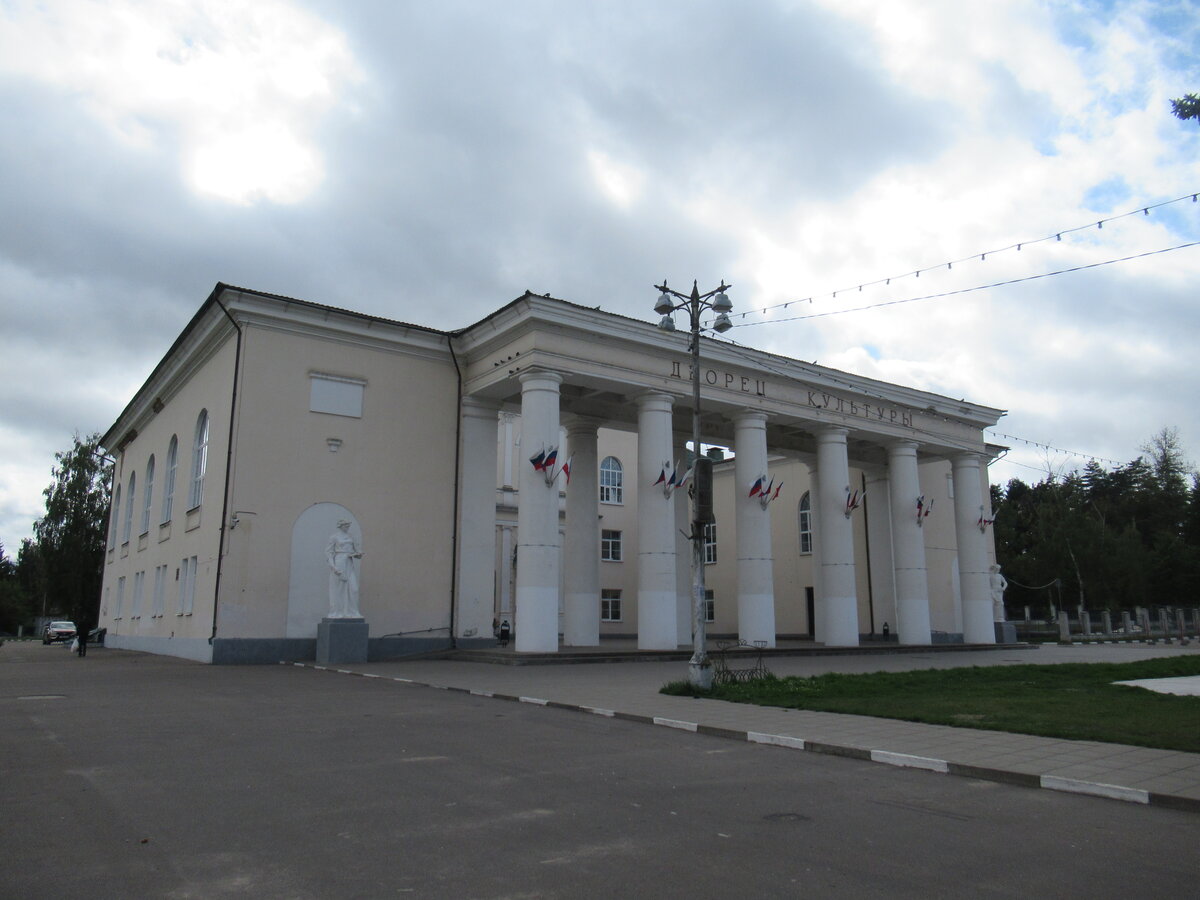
(810, 604)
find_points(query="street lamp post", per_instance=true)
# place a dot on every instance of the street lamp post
(700, 673)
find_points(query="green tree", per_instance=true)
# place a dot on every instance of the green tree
(1186, 107)
(70, 536)
(1111, 539)
(15, 608)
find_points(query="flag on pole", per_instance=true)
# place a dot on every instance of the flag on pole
(777, 490)
(567, 467)
(539, 461)
(551, 457)
(662, 476)
(756, 488)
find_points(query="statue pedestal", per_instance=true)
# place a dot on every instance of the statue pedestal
(1006, 633)
(341, 641)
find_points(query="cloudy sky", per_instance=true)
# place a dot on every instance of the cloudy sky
(431, 161)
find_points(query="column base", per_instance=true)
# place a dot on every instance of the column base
(342, 641)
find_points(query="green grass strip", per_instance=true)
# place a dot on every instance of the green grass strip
(1076, 701)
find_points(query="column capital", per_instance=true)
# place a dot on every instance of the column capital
(828, 434)
(576, 424)
(531, 376)
(901, 445)
(480, 408)
(656, 400)
(966, 460)
(750, 417)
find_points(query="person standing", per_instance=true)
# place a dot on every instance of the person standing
(81, 639)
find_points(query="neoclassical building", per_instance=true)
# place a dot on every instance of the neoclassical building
(846, 508)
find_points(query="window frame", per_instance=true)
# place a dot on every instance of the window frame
(610, 601)
(114, 518)
(168, 500)
(612, 545)
(147, 496)
(199, 461)
(130, 502)
(710, 543)
(804, 522)
(612, 481)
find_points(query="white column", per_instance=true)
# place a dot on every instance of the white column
(581, 614)
(837, 604)
(755, 568)
(972, 551)
(507, 573)
(536, 625)
(506, 473)
(817, 626)
(908, 543)
(475, 593)
(683, 549)
(657, 629)
(878, 507)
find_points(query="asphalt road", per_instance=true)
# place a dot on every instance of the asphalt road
(127, 775)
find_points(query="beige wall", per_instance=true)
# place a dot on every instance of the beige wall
(394, 471)
(190, 532)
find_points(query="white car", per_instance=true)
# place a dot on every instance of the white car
(58, 631)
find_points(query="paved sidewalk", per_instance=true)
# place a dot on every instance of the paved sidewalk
(630, 691)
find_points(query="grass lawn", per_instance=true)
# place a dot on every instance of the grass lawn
(1077, 701)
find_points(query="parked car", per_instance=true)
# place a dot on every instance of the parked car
(58, 631)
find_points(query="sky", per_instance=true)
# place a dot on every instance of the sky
(429, 162)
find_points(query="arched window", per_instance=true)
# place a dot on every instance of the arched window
(113, 517)
(199, 460)
(169, 482)
(129, 505)
(148, 498)
(611, 476)
(806, 523)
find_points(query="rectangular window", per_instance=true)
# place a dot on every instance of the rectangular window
(610, 605)
(187, 586)
(710, 607)
(139, 586)
(335, 395)
(120, 597)
(710, 543)
(160, 589)
(610, 546)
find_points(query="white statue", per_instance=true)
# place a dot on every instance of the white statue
(998, 584)
(342, 553)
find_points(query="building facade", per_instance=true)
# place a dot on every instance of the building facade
(272, 419)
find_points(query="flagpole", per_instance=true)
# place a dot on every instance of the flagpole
(700, 674)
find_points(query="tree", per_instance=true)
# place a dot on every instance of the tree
(15, 609)
(70, 536)
(1186, 107)
(1111, 539)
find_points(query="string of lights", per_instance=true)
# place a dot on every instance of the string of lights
(968, 290)
(1056, 236)
(831, 376)
(1044, 446)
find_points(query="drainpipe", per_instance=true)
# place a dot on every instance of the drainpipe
(237, 365)
(457, 479)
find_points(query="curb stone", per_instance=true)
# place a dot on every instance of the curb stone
(884, 757)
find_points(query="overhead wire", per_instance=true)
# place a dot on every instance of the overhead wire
(1056, 236)
(981, 287)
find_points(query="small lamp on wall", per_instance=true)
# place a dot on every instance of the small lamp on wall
(333, 444)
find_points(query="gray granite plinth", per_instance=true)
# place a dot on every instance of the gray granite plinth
(341, 641)
(1006, 633)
